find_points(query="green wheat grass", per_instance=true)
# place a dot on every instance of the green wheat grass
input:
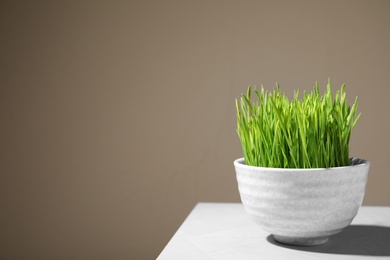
(309, 132)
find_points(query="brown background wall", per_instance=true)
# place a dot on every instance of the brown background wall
(117, 117)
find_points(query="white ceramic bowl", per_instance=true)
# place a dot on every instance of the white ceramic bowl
(302, 206)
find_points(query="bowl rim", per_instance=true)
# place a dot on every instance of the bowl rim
(355, 162)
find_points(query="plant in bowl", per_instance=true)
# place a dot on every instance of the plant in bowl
(297, 180)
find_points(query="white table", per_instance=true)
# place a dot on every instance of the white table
(224, 231)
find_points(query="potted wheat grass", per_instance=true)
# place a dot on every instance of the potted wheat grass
(297, 180)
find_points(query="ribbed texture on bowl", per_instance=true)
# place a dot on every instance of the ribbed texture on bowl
(302, 202)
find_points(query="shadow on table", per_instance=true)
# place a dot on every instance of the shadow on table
(354, 240)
